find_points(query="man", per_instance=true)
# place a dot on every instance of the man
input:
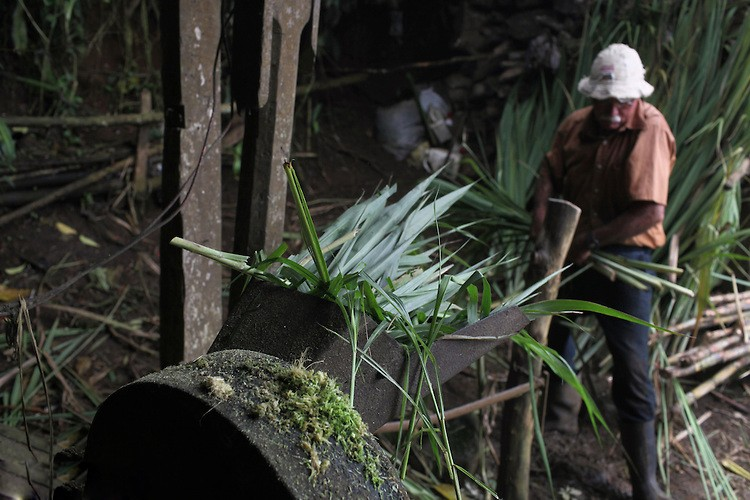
(613, 160)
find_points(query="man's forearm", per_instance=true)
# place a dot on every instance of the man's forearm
(639, 218)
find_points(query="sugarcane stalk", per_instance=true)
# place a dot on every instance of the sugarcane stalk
(695, 354)
(720, 377)
(639, 264)
(730, 297)
(717, 334)
(688, 431)
(624, 272)
(707, 362)
(233, 261)
(607, 271)
(721, 316)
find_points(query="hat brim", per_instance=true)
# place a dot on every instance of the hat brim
(616, 90)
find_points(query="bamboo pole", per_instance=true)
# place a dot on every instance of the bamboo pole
(467, 408)
(518, 424)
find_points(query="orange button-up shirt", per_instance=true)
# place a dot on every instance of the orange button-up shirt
(604, 174)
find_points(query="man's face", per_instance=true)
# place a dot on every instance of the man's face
(611, 114)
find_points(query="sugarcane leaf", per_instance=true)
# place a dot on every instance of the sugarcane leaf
(564, 306)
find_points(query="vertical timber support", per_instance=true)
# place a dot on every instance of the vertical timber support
(190, 285)
(275, 49)
(518, 425)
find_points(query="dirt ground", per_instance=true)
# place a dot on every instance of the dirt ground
(340, 164)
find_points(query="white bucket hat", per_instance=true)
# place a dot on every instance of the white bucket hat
(617, 72)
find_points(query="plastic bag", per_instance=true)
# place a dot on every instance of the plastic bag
(400, 128)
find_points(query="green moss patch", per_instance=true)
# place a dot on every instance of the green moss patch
(291, 396)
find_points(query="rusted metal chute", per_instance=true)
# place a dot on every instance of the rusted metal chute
(170, 435)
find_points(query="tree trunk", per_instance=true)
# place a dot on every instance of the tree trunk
(518, 424)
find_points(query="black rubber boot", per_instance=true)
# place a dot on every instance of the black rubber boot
(639, 441)
(563, 405)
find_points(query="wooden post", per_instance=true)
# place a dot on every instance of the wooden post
(517, 424)
(269, 46)
(190, 295)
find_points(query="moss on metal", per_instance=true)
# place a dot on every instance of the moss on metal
(291, 396)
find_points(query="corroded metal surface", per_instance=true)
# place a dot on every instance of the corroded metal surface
(289, 324)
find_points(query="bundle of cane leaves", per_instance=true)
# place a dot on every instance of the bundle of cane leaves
(387, 246)
(376, 254)
(380, 260)
(639, 274)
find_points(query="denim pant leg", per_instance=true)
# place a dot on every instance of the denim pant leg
(632, 388)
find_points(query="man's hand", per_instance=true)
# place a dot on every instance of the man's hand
(637, 219)
(580, 250)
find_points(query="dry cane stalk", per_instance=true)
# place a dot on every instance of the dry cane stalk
(717, 334)
(717, 316)
(695, 354)
(688, 431)
(721, 376)
(709, 361)
(740, 316)
(730, 297)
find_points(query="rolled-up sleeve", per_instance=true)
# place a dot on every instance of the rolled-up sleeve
(651, 162)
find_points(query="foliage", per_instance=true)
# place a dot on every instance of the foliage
(51, 40)
(384, 261)
(7, 146)
(703, 88)
(695, 54)
(52, 36)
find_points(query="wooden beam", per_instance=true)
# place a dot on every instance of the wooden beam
(267, 54)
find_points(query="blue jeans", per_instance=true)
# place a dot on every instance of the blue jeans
(632, 387)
